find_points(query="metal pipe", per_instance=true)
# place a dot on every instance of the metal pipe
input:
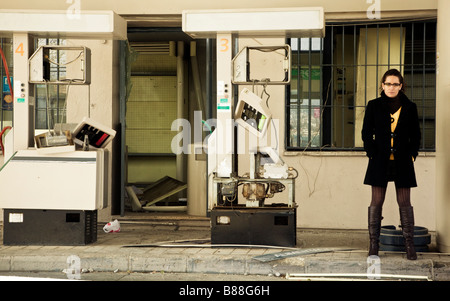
(165, 208)
(196, 77)
(180, 160)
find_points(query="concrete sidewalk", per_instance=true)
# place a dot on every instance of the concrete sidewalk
(181, 245)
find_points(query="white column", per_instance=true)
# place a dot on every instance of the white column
(225, 108)
(23, 122)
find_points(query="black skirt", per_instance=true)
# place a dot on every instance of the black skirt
(391, 171)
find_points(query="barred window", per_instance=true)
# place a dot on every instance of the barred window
(334, 77)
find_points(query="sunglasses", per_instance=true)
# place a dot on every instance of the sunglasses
(392, 85)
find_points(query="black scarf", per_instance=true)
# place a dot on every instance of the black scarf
(393, 103)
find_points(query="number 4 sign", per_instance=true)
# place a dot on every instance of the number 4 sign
(20, 49)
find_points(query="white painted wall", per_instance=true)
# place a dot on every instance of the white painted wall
(330, 192)
(99, 101)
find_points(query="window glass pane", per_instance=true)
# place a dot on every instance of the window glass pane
(306, 44)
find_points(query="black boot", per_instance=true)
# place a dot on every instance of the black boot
(374, 229)
(407, 221)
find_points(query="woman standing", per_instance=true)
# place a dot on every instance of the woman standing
(391, 136)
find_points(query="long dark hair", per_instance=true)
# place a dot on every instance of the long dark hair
(393, 72)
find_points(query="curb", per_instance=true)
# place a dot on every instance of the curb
(202, 262)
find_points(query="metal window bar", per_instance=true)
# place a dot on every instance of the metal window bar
(378, 51)
(299, 93)
(389, 46)
(332, 85)
(354, 81)
(365, 66)
(321, 104)
(343, 88)
(309, 91)
(401, 39)
(411, 28)
(423, 81)
(412, 60)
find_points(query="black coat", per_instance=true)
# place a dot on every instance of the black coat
(376, 135)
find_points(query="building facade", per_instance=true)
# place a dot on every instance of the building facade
(319, 114)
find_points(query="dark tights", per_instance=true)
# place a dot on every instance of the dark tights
(403, 196)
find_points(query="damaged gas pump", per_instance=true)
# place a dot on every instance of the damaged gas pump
(257, 207)
(256, 221)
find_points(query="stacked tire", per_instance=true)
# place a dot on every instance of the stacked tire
(391, 239)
